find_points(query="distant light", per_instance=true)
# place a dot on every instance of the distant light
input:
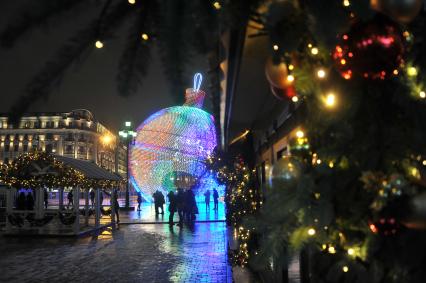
(300, 134)
(321, 73)
(351, 251)
(145, 36)
(345, 269)
(291, 67)
(275, 47)
(309, 45)
(132, 1)
(330, 100)
(319, 161)
(311, 232)
(412, 71)
(217, 5)
(395, 72)
(424, 162)
(290, 78)
(127, 123)
(343, 62)
(346, 3)
(331, 164)
(331, 250)
(422, 94)
(99, 44)
(295, 99)
(314, 51)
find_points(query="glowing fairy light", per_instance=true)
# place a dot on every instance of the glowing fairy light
(311, 232)
(275, 47)
(295, 99)
(145, 36)
(99, 44)
(321, 73)
(330, 100)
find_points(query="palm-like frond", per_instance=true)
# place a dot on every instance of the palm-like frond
(53, 71)
(35, 16)
(135, 57)
(173, 43)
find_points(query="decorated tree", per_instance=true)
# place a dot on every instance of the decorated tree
(344, 197)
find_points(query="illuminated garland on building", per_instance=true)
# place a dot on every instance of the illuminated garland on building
(41, 170)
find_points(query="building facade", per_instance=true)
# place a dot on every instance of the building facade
(74, 134)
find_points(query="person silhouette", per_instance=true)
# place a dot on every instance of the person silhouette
(172, 206)
(215, 199)
(139, 201)
(70, 198)
(207, 199)
(30, 201)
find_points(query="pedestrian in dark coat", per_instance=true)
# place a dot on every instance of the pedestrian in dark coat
(139, 201)
(30, 201)
(215, 199)
(21, 201)
(172, 206)
(180, 204)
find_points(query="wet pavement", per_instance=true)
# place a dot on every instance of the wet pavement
(147, 214)
(134, 253)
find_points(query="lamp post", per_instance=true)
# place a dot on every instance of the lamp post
(127, 134)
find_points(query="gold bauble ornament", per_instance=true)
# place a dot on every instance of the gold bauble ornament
(276, 73)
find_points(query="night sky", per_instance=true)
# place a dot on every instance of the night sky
(90, 84)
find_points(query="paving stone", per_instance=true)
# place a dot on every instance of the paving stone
(134, 253)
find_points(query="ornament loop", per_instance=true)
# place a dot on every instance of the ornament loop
(198, 78)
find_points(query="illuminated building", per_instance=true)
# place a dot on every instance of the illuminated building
(74, 134)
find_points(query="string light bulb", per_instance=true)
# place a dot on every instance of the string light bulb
(345, 269)
(321, 73)
(422, 94)
(275, 47)
(314, 51)
(295, 99)
(132, 1)
(311, 232)
(290, 78)
(346, 3)
(412, 71)
(332, 250)
(330, 100)
(351, 251)
(300, 134)
(291, 67)
(99, 44)
(217, 5)
(145, 36)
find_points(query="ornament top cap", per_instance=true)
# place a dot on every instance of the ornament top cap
(194, 96)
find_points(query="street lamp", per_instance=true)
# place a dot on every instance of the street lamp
(127, 134)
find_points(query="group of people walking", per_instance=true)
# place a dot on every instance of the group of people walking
(183, 202)
(26, 201)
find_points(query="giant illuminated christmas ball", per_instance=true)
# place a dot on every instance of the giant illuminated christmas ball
(171, 147)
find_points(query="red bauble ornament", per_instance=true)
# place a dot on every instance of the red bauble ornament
(403, 11)
(276, 73)
(372, 49)
(283, 94)
(385, 226)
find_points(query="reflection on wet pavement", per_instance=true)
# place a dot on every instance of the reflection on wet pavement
(134, 253)
(147, 214)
